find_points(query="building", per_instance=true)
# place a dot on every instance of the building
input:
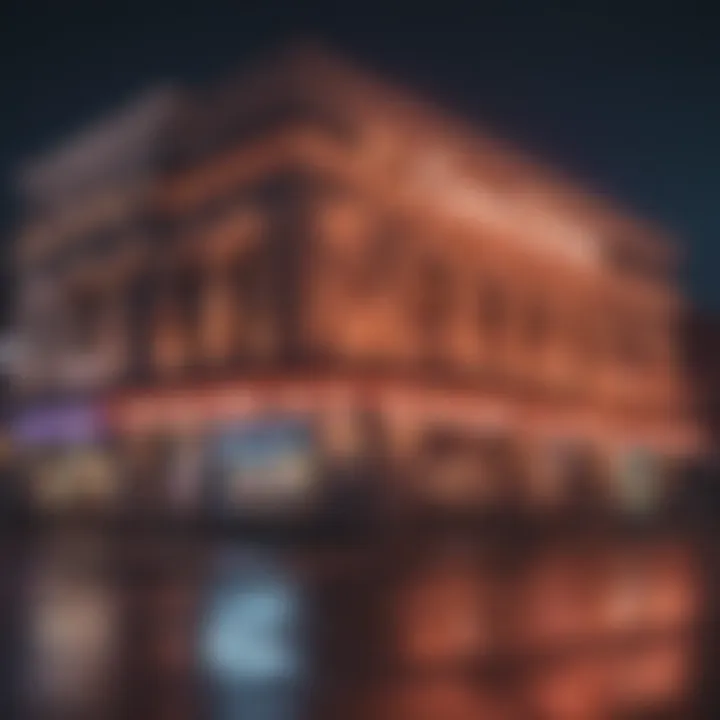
(703, 359)
(309, 260)
(700, 495)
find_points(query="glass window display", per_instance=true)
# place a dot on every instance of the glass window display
(78, 477)
(264, 465)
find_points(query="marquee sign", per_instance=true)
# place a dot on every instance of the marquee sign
(188, 409)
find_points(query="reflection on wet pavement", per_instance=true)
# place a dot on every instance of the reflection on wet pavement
(153, 628)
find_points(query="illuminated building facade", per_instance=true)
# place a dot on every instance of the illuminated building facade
(702, 340)
(306, 242)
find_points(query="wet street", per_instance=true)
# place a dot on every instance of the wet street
(162, 626)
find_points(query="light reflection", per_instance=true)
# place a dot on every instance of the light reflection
(251, 644)
(72, 637)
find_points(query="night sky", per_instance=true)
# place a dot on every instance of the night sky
(626, 99)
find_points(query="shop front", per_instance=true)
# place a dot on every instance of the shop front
(297, 445)
(68, 459)
(578, 473)
(237, 453)
(640, 476)
(303, 448)
(263, 465)
(163, 472)
(458, 470)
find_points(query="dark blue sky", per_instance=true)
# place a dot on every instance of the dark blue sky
(626, 98)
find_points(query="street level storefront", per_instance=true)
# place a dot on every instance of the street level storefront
(228, 454)
(263, 464)
(68, 458)
(271, 442)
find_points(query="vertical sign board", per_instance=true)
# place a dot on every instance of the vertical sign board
(63, 445)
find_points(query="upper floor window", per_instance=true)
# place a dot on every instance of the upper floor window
(141, 297)
(492, 309)
(640, 263)
(434, 301)
(254, 323)
(634, 341)
(85, 318)
(587, 331)
(251, 283)
(187, 289)
(290, 112)
(537, 322)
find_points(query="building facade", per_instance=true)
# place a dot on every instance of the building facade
(702, 340)
(308, 259)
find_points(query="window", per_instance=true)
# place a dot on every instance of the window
(38, 317)
(187, 289)
(492, 309)
(587, 333)
(253, 302)
(537, 323)
(633, 340)
(141, 298)
(369, 267)
(85, 316)
(639, 480)
(639, 263)
(289, 113)
(434, 301)
(583, 479)
(247, 280)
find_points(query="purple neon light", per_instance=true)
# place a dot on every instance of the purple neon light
(77, 423)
